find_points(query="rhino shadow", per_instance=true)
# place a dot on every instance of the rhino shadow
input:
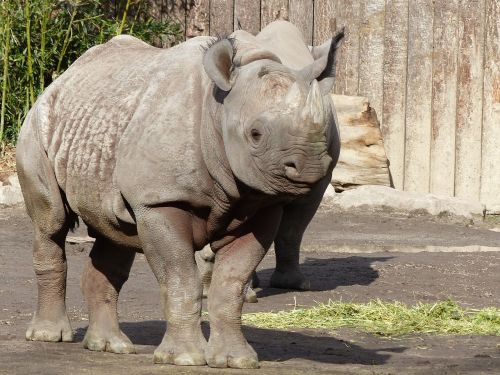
(328, 274)
(273, 345)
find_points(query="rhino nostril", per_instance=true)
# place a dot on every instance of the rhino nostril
(256, 135)
(290, 164)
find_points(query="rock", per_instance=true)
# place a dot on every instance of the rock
(493, 209)
(13, 180)
(79, 239)
(329, 192)
(372, 198)
(328, 197)
(10, 192)
(10, 195)
(362, 160)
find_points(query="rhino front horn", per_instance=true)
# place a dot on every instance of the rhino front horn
(314, 109)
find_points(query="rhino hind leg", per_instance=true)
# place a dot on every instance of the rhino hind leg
(50, 321)
(205, 261)
(296, 217)
(104, 275)
(52, 220)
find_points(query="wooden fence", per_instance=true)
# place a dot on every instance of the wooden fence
(429, 67)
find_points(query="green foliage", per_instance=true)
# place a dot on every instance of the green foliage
(39, 39)
(385, 318)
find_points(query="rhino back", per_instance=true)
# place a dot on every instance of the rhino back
(286, 41)
(83, 116)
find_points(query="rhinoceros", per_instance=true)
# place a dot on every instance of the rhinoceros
(163, 151)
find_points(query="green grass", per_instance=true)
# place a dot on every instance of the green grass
(385, 318)
(39, 39)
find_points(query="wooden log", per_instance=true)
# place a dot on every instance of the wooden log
(490, 177)
(272, 10)
(394, 87)
(302, 15)
(221, 17)
(444, 98)
(197, 18)
(371, 52)
(419, 94)
(362, 158)
(247, 14)
(469, 99)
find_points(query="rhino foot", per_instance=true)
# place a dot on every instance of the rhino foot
(234, 356)
(114, 343)
(289, 280)
(52, 330)
(181, 352)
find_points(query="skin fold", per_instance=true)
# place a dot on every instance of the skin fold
(212, 142)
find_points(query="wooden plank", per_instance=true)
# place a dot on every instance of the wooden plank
(419, 95)
(302, 15)
(325, 22)
(444, 98)
(197, 18)
(174, 10)
(247, 13)
(490, 177)
(272, 10)
(221, 17)
(371, 52)
(347, 66)
(394, 87)
(469, 99)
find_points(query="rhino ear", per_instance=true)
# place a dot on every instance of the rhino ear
(325, 60)
(218, 63)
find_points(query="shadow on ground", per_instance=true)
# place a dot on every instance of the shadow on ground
(328, 274)
(272, 345)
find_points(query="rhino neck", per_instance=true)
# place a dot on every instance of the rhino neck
(213, 151)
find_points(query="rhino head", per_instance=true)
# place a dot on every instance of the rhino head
(276, 122)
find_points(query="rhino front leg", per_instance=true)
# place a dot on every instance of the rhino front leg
(234, 265)
(166, 237)
(106, 272)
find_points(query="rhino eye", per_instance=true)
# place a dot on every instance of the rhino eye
(256, 135)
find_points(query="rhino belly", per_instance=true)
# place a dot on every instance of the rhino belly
(104, 212)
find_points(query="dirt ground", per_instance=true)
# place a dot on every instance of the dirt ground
(470, 278)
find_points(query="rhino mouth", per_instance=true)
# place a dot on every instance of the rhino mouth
(308, 174)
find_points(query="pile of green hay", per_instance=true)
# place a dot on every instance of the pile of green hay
(385, 318)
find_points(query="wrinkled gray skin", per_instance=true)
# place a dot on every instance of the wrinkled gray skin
(165, 151)
(286, 42)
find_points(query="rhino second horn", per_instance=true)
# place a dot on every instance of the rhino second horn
(314, 109)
